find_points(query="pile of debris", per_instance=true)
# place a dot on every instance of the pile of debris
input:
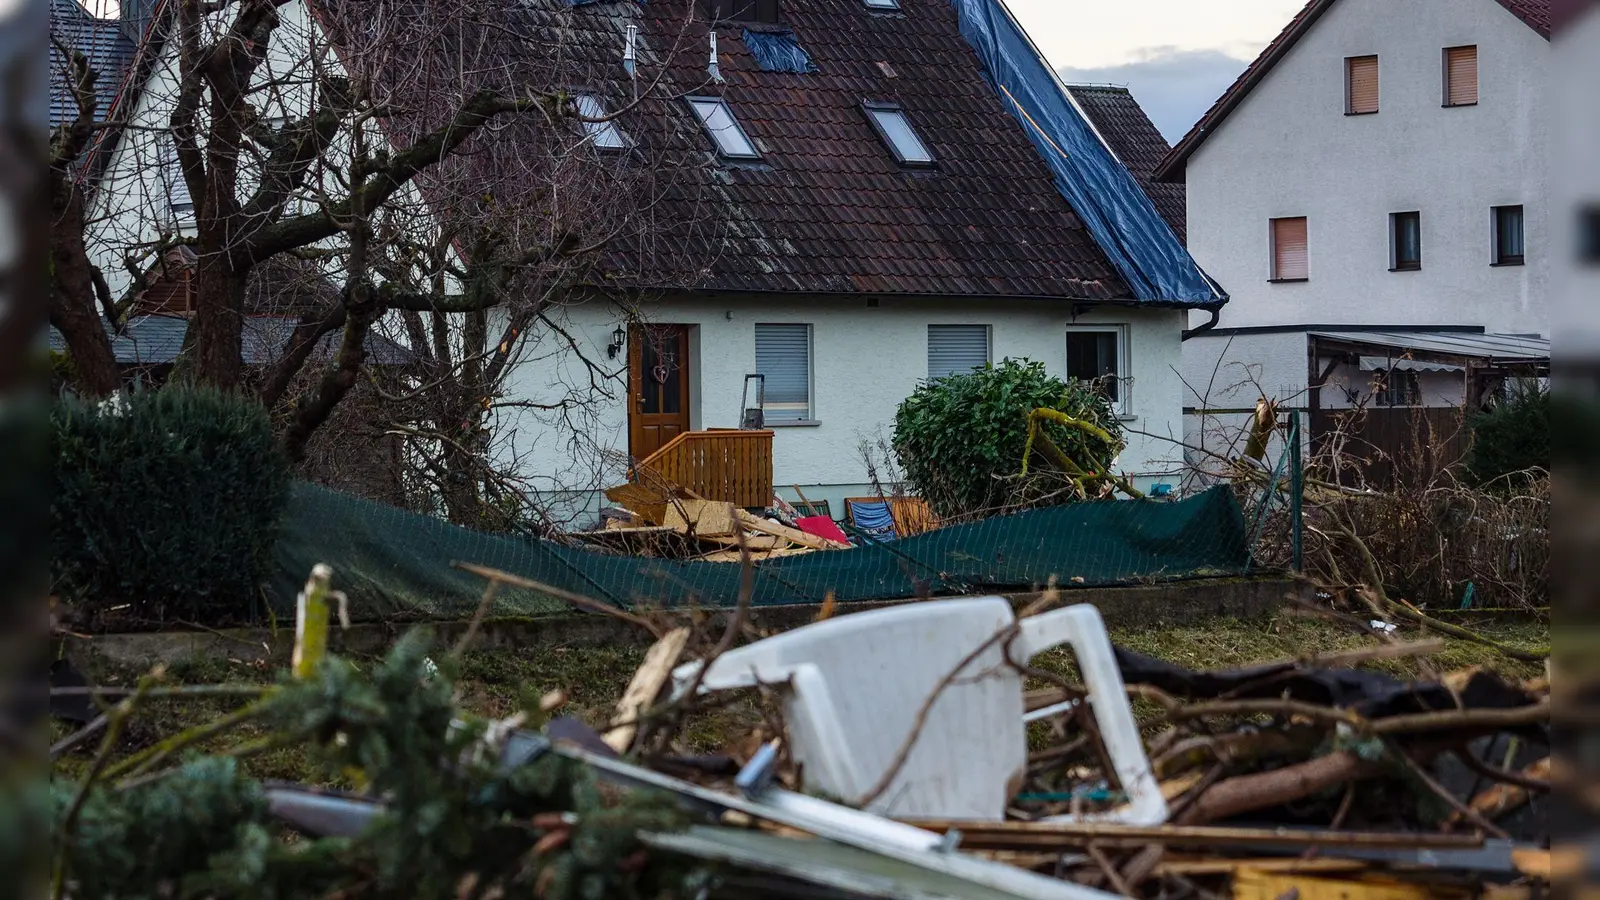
(1294, 776)
(922, 751)
(691, 527)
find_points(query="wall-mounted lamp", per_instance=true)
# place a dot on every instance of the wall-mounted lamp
(619, 339)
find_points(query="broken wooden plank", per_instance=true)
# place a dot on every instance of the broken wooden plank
(756, 542)
(793, 535)
(622, 531)
(702, 518)
(648, 680)
(733, 556)
(1499, 799)
(1255, 884)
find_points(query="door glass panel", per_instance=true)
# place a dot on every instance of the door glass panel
(661, 381)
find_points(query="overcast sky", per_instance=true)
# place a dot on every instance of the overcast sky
(1176, 56)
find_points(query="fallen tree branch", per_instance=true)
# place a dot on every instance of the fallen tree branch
(1261, 790)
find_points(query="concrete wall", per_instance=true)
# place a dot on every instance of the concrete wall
(1289, 150)
(864, 362)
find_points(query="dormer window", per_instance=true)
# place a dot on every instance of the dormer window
(605, 135)
(897, 134)
(740, 10)
(719, 123)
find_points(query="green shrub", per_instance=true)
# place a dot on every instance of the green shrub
(961, 438)
(166, 503)
(1512, 436)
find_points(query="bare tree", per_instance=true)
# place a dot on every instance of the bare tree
(430, 161)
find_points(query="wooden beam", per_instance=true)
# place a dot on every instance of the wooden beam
(793, 535)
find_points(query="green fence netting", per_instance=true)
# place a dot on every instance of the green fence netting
(395, 564)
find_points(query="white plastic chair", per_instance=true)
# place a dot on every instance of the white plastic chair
(857, 683)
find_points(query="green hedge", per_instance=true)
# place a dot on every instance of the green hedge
(166, 504)
(1512, 436)
(961, 438)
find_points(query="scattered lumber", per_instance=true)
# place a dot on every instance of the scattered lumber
(648, 681)
(700, 518)
(793, 535)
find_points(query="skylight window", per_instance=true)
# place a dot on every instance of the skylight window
(897, 133)
(882, 4)
(719, 122)
(606, 135)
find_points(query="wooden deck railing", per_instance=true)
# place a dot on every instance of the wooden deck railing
(726, 465)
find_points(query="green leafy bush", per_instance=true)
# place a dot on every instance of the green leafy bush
(166, 503)
(1512, 436)
(961, 439)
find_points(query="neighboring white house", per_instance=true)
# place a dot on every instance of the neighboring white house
(876, 214)
(1373, 193)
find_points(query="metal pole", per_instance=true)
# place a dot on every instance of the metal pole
(1296, 492)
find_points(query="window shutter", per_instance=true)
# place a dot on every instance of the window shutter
(783, 355)
(1361, 89)
(1290, 259)
(954, 349)
(1461, 76)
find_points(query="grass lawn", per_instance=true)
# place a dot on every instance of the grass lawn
(494, 681)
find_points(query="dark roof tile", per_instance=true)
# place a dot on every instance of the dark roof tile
(828, 209)
(103, 42)
(1135, 140)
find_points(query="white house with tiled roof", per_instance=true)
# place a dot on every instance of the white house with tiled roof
(1375, 182)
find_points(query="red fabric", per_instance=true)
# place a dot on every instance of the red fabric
(822, 527)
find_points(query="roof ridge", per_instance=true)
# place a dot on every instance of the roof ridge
(1533, 13)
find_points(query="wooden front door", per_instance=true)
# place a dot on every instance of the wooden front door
(658, 386)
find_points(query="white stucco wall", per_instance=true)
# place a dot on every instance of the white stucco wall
(864, 362)
(132, 206)
(1289, 150)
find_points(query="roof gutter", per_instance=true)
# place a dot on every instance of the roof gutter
(1202, 328)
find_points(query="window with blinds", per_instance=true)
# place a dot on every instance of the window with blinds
(1361, 85)
(954, 349)
(1461, 76)
(1290, 258)
(783, 355)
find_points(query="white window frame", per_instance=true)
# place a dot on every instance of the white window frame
(988, 343)
(606, 135)
(881, 5)
(810, 417)
(1123, 403)
(698, 105)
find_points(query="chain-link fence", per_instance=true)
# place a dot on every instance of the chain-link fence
(395, 564)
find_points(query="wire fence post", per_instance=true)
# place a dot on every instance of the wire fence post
(1296, 494)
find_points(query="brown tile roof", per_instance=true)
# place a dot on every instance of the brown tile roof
(1134, 139)
(827, 209)
(1535, 13)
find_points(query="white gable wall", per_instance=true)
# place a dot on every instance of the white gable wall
(1289, 150)
(865, 361)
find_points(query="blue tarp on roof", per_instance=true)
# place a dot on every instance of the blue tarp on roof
(1116, 211)
(778, 50)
